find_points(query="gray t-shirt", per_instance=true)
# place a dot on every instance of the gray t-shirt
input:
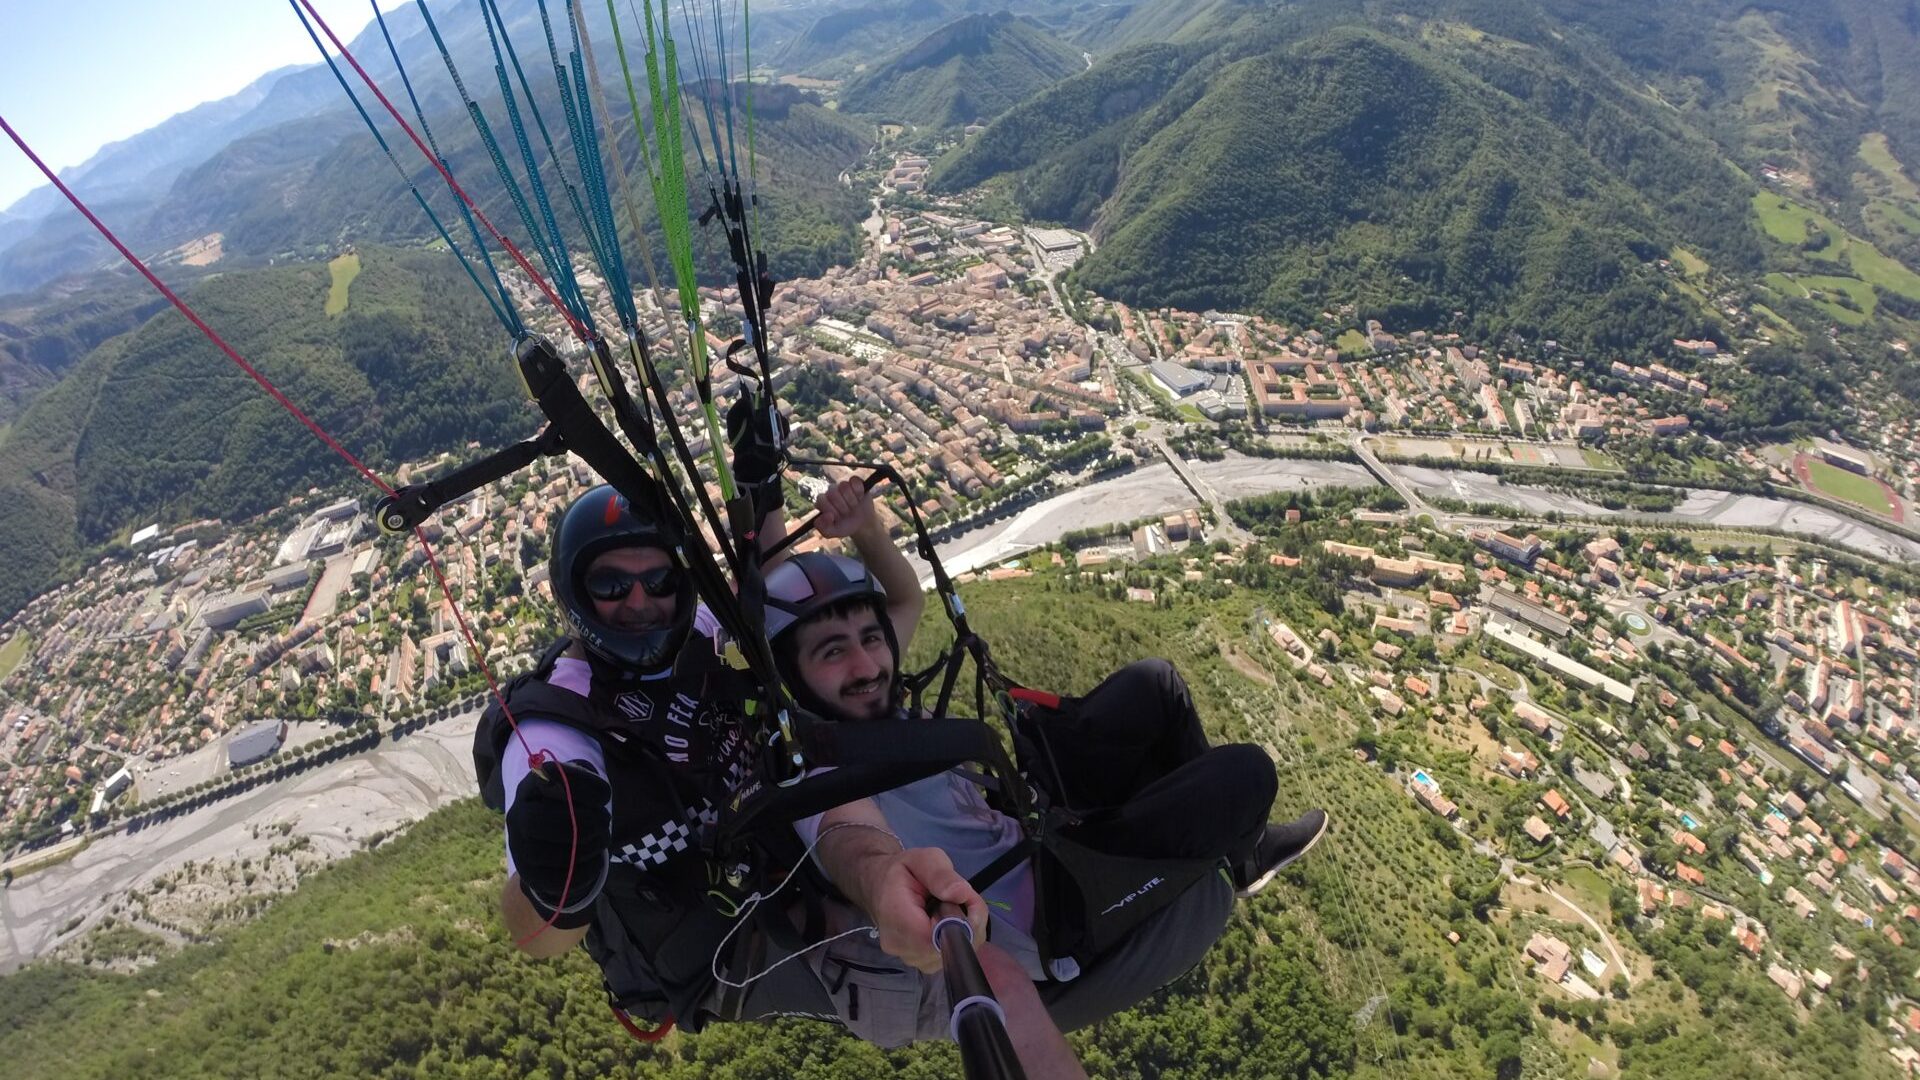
(950, 812)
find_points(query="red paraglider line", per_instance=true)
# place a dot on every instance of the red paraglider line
(195, 319)
(535, 761)
(580, 331)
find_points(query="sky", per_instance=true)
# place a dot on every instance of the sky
(78, 74)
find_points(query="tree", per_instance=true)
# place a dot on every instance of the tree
(1502, 1053)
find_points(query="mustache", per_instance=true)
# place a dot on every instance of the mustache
(863, 685)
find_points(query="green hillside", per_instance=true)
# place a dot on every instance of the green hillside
(157, 425)
(43, 335)
(1061, 152)
(1356, 168)
(1391, 951)
(848, 39)
(1524, 165)
(302, 189)
(970, 70)
(299, 175)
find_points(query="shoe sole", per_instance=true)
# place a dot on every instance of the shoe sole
(1265, 879)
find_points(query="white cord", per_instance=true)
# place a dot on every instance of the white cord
(754, 900)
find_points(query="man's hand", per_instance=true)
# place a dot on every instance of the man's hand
(847, 510)
(896, 890)
(558, 831)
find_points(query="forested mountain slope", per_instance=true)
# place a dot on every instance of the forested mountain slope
(970, 70)
(289, 171)
(844, 38)
(1497, 167)
(43, 335)
(303, 189)
(1354, 167)
(156, 424)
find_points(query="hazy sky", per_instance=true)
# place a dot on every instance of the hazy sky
(77, 74)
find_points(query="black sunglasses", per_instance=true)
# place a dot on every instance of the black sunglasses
(609, 585)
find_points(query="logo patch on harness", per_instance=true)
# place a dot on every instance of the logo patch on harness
(1134, 895)
(635, 706)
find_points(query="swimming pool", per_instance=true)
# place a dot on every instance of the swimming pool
(1420, 777)
(1687, 820)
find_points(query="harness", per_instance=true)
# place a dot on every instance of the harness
(1085, 900)
(647, 929)
(655, 930)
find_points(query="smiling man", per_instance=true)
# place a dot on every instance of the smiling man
(1130, 759)
(623, 743)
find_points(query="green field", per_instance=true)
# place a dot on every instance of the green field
(1820, 290)
(14, 651)
(1789, 222)
(1787, 330)
(1882, 270)
(1879, 157)
(1705, 470)
(1587, 886)
(1892, 212)
(1848, 486)
(1786, 220)
(1690, 264)
(1502, 676)
(344, 269)
(1353, 343)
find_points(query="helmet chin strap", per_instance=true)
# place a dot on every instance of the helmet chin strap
(610, 673)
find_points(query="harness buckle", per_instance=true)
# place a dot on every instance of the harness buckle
(782, 736)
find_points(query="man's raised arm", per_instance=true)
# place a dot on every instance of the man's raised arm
(848, 510)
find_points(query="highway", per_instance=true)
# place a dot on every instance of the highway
(1416, 506)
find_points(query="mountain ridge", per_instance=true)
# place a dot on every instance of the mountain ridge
(971, 69)
(1371, 172)
(153, 156)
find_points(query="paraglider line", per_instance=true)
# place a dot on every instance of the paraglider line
(579, 329)
(134, 260)
(536, 761)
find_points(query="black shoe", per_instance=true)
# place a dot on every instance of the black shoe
(1279, 846)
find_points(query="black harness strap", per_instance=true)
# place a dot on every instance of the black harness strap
(868, 758)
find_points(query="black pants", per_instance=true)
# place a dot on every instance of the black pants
(1133, 760)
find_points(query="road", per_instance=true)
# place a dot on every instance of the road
(1698, 507)
(1224, 526)
(1416, 506)
(1613, 950)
